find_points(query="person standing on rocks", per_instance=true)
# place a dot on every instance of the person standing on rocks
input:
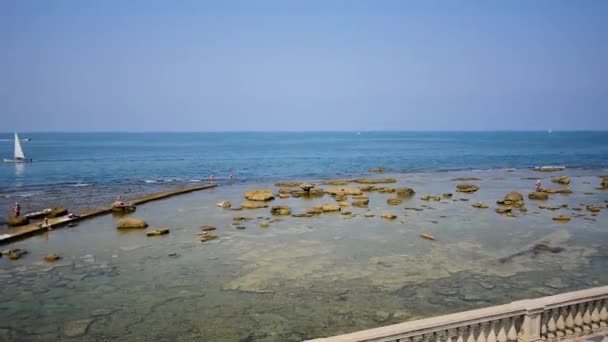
(538, 185)
(212, 178)
(16, 209)
(231, 175)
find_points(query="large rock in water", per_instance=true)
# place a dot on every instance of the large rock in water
(281, 210)
(561, 180)
(605, 182)
(404, 192)
(513, 198)
(538, 195)
(467, 188)
(15, 221)
(344, 191)
(56, 212)
(131, 223)
(259, 195)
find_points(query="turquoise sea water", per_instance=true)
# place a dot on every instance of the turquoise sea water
(86, 169)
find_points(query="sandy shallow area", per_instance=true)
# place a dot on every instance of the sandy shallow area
(304, 277)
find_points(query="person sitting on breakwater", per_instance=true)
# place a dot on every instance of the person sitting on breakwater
(16, 209)
(119, 202)
(538, 188)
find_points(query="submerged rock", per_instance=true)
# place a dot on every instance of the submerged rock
(467, 188)
(264, 224)
(378, 170)
(260, 195)
(479, 205)
(52, 257)
(604, 183)
(362, 203)
(427, 236)
(337, 182)
(314, 211)
(344, 204)
(14, 254)
(208, 228)
(562, 218)
(561, 180)
(394, 201)
(504, 210)
(388, 216)
(157, 232)
(77, 328)
(538, 195)
(131, 223)
(593, 208)
(375, 180)
(288, 184)
(280, 210)
(224, 204)
(254, 205)
(242, 218)
(542, 247)
(15, 221)
(447, 195)
(343, 191)
(326, 208)
(283, 196)
(208, 237)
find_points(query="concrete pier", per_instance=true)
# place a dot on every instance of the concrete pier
(18, 233)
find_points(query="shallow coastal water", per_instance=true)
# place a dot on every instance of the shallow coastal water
(87, 170)
(303, 277)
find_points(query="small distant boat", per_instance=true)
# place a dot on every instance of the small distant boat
(19, 156)
(549, 131)
(549, 168)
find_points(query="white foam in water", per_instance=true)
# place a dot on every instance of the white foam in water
(81, 184)
(195, 180)
(149, 181)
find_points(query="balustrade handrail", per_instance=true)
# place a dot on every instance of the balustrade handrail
(471, 317)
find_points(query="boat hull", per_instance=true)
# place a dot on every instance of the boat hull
(17, 161)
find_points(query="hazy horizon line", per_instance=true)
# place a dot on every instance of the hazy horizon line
(316, 131)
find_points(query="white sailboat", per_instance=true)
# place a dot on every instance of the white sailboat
(19, 156)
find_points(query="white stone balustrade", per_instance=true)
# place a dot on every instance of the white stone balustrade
(564, 317)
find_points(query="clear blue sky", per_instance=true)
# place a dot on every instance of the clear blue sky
(303, 65)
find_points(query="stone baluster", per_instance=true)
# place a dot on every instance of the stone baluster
(492, 333)
(543, 331)
(460, 334)
(482, 334)
(551, 328)
(502, 333)
(595, 315)
(604, 313)
(586, 317)
(471, 334)
(512, 333)
(578, 319)
(417, 338)
(560, 324)
(569, 321)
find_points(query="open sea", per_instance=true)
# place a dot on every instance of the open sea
(69, 167)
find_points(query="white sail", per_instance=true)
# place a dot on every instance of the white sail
(18, 149)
